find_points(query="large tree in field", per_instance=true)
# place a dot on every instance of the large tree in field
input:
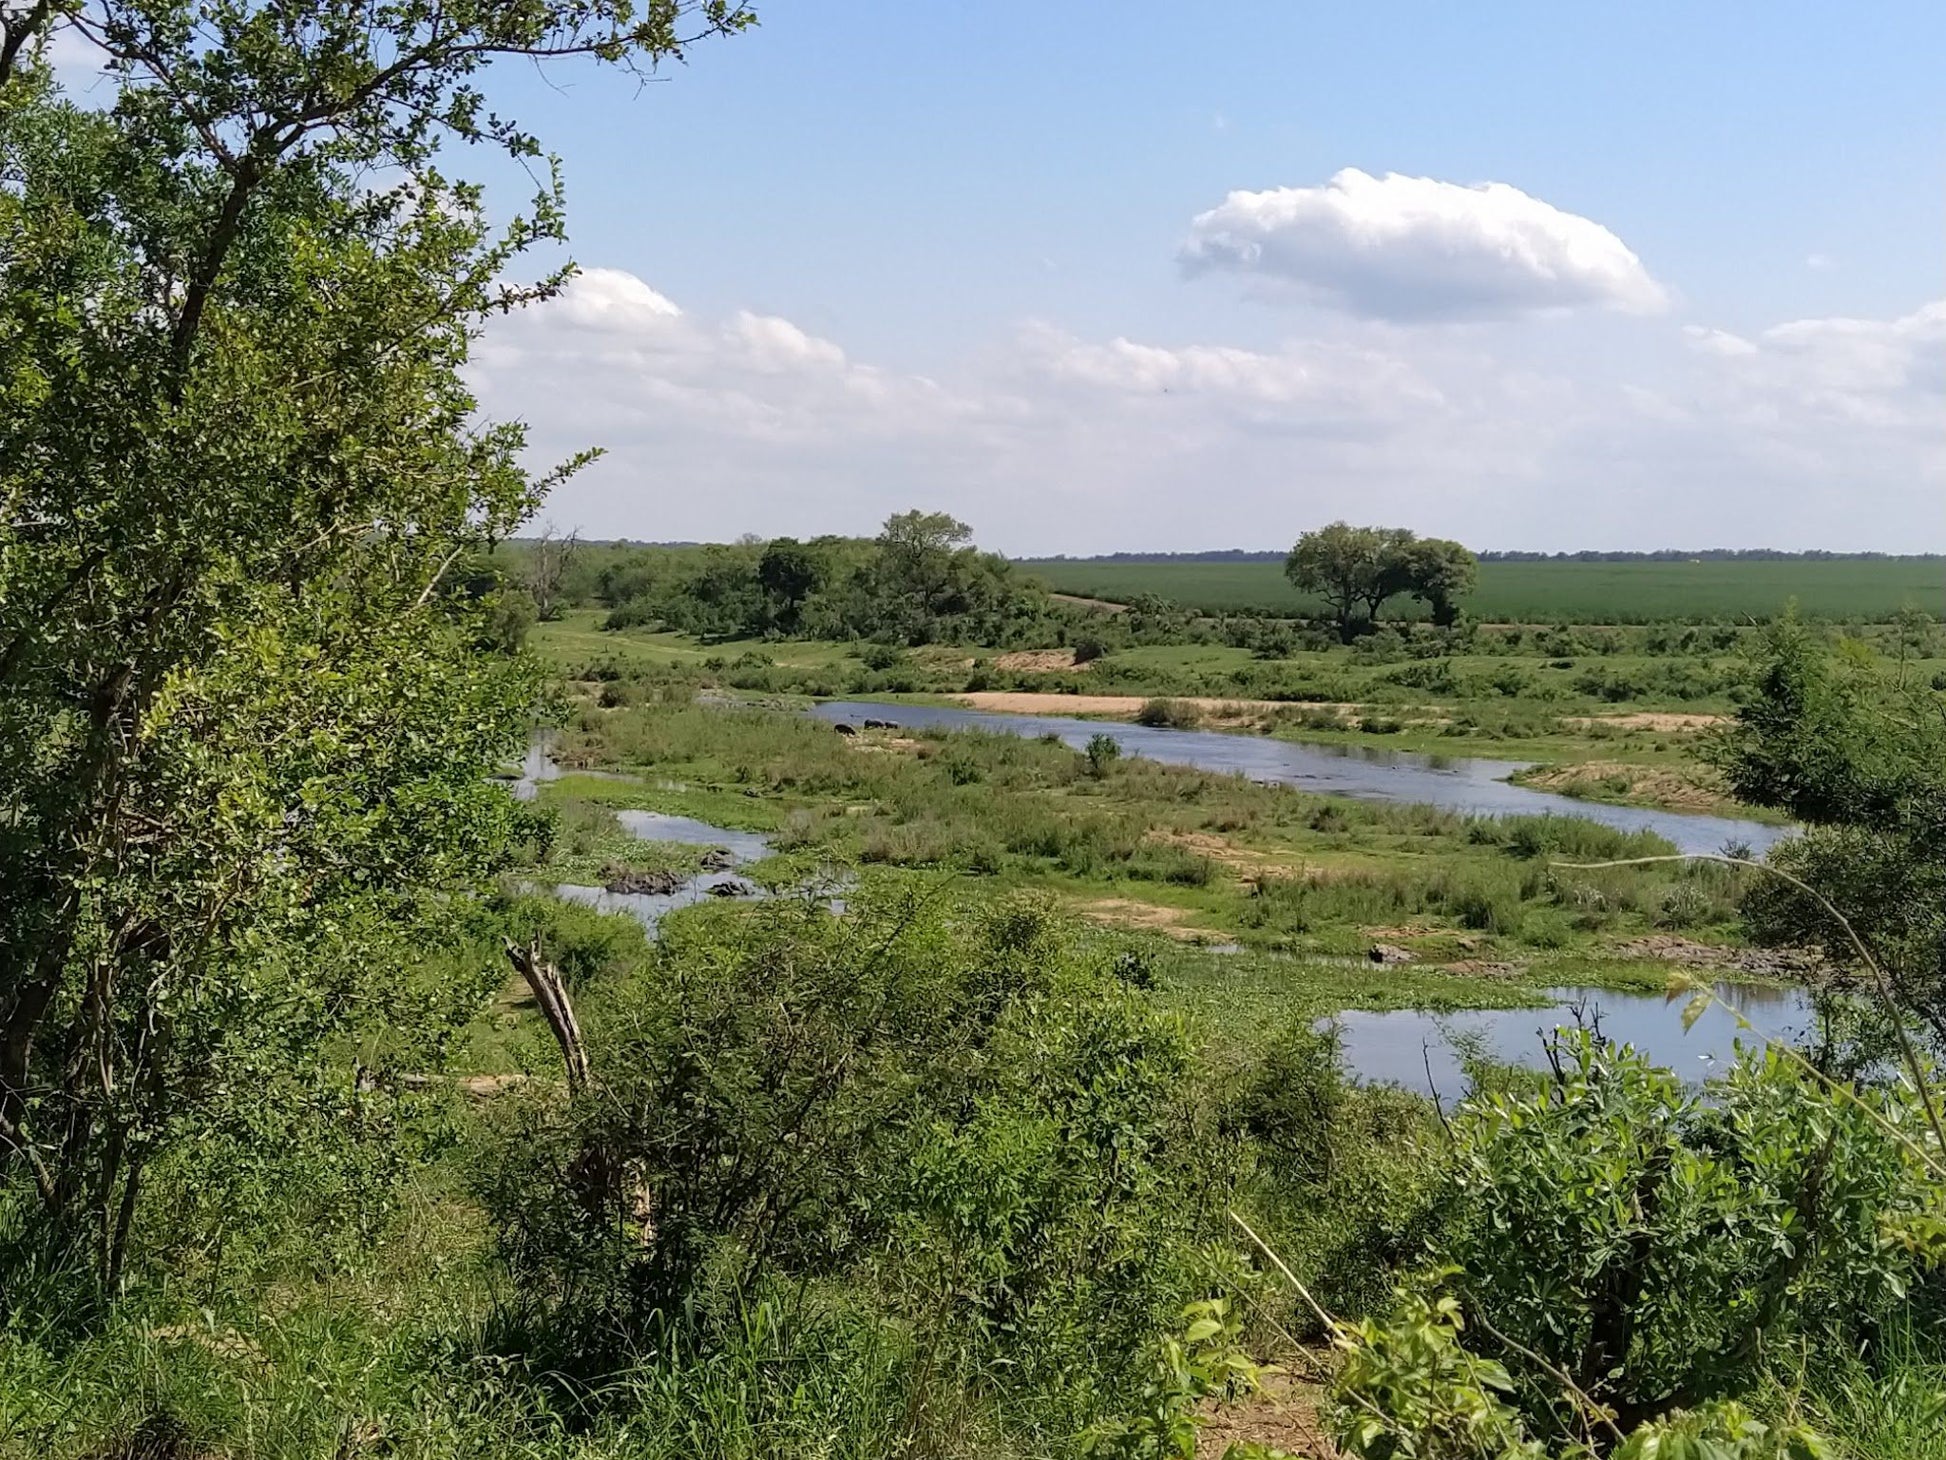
(1439, 573)
(244, 727)
(1356, 569)
(1353, 569)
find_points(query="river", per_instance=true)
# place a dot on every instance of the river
(1470, 786)
(1407, 1047)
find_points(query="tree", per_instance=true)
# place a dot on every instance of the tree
(1353, 569)
(243, 731)
(789, 574)
(916, 554)
(549, 557)
(1439, 572)
(923, 571)
(1846, 747)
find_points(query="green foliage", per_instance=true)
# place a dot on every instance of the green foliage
(246, 720)
(1838, 742)
(1354, 570)
(1340, 1169)
(1439, 573)
(1660, 1247)
(919, 581)
(1205, 1360)
(980, 1113)
(1410, 1389)
(1102, 752)
(1169, 714)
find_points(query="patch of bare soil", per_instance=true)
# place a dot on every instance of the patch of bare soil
(1648, 720)
(1223, 852)
(1680, 789)
(1762, 962)
(1124, 707)
(1037, 661)
(1099, 605)
(1148, 916)
(1283, 1416)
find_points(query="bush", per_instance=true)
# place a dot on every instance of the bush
(1659, 1245)
(1486, 910)
(1102, 752)
(977, 1109)
(1169, 714)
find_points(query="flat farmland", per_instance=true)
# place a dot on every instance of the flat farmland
(1851, 590)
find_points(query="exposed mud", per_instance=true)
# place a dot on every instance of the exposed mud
(1125, 707)
(1781, 963)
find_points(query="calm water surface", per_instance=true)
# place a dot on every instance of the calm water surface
(1469, 786)
(1403, 1046)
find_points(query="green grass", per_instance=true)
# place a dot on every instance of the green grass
(1843, 590)
(1212, 855)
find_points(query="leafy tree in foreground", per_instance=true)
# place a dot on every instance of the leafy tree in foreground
(243, 724)
(1626, 1259)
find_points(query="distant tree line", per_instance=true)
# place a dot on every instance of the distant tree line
(1658, 555)
(920, 580)
(1708, 555)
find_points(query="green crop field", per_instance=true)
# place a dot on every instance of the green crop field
(1842, 589)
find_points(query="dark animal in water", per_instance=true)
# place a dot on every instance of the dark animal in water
(881, 724)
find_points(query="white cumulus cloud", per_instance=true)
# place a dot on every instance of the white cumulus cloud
(1816, 432)
(1416, 248)
(1813, 373)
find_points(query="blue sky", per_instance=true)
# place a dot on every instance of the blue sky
(871, 256)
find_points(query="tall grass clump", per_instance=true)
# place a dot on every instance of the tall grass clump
(1168, 714)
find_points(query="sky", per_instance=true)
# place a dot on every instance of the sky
(1099, 277)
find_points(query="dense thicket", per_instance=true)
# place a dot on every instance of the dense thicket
(919, 581)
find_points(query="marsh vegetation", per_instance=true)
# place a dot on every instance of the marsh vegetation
(996, 1108)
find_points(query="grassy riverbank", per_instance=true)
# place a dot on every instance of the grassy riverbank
(1189, 855)
(1618, 727)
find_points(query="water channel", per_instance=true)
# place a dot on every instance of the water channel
(650, 908)
(1408, 1047)
(1470, 786)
